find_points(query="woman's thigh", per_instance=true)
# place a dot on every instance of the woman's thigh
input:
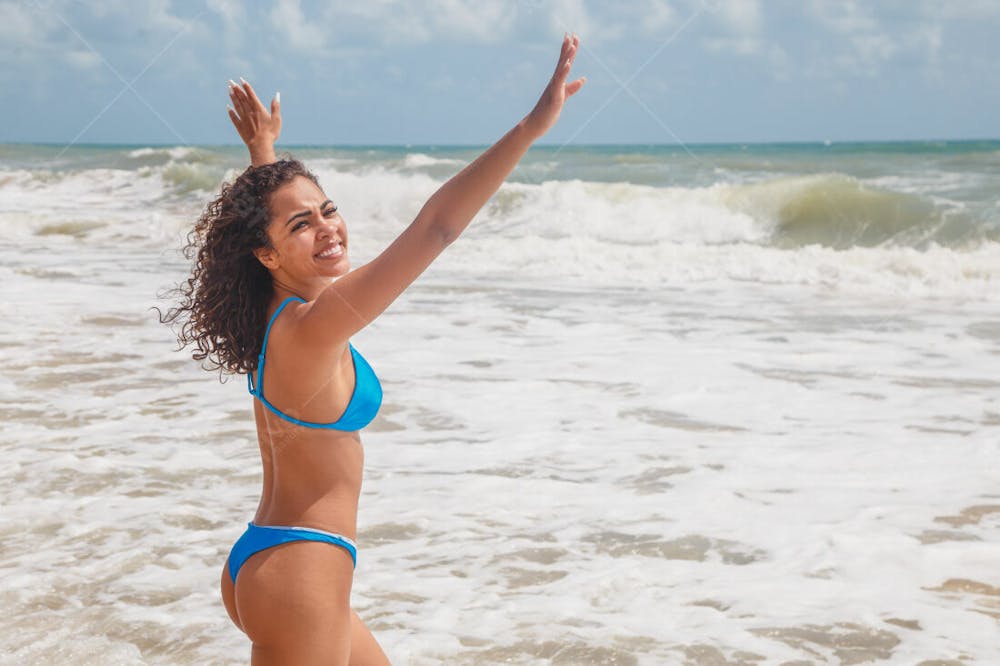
(365, 650)
(293, 601)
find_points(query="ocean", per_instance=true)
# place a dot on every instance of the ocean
(717, 404)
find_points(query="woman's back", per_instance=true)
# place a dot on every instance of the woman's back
(316, 473)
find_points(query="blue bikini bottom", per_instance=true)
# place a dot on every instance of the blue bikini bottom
(261, 537)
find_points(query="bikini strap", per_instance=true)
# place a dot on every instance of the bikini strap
(260, 357)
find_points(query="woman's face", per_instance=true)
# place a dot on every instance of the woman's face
(304, 226)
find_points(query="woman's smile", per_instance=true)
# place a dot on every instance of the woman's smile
(333, 251)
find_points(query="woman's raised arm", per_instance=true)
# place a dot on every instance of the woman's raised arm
(258, 128)
(357, 298)
(454, 205)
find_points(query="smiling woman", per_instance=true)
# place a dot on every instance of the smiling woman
(273, 280)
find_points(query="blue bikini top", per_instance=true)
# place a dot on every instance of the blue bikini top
(365, 400)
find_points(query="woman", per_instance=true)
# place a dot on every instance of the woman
(272, 290)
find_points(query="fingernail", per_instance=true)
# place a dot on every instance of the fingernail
(230, 108)
(277, 97)
(242, 80)
(232, 84)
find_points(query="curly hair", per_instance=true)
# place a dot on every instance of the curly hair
(227, 295)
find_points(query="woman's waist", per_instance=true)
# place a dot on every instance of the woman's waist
(331, 512)
(314, 459)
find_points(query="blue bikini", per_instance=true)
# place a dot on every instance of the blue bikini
(364, 403)
(362, 408)
(261, 537)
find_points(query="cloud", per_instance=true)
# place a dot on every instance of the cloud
(867, 53)
(742, 17)
(843, 16)
(573, 16)
(109, 21)
(296, 30)
(650, 17)
(23, 27)
(742, 27)
(83, 59)
(401, 23)
(483, 21)
(905, 31)
(659, 16)
(972, 11)
(738, 46)
(42, 38)
(233, 16)
(868, 45)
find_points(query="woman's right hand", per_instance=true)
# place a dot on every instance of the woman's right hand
(258, 128)
(549, 106)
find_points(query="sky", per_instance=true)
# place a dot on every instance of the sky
(450, 72)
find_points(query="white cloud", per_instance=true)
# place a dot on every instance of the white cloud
(929, 37)
(22, 27)
(972, 11)
(573, 16)
(864, 44)
(152, 16)
(738, 46)
(774, 57)
(908, 32)
(233, 16)
(397, 22)
(296, 30)
(649, 17)
(484, 21)
(742, 17)
(83, 59)
(387, 21)
(743, 36)
(231, 11)
(843, 16)
(48, 36)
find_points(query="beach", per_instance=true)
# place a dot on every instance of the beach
(720, 404)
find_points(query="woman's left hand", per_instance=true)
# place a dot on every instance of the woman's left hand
(547, 110)
(258, 128)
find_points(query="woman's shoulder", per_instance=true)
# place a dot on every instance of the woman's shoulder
(286, 318)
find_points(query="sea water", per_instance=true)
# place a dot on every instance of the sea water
(729, 404)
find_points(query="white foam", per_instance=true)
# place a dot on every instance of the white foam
(606, 233)
(613, 420)
(174, 153)
(819, 436)
(417, 160)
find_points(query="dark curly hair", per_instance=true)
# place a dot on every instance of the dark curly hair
(227, 295)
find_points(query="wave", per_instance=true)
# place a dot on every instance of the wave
(417, 160)
(166, 155)
(936, 272)
(187, 178)
(830, 210)
(145, 184)
(827, 229)
(841, 212)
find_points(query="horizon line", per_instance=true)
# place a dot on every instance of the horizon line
(811, 142)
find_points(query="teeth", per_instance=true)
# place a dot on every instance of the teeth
(332, 251)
